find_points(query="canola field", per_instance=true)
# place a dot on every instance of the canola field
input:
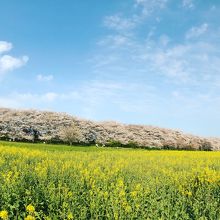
(48, 182)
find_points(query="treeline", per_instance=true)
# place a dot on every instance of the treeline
(51, 127)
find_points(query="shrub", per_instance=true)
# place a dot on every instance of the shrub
(114, 143)
(132, 144)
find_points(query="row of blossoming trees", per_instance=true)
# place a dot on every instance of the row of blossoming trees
(51, 127)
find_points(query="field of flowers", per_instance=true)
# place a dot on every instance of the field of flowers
(108, 184)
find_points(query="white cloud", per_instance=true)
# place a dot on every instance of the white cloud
(5, 46)
(164, 40)
(195, 32)
(149, 6)
(7, 62)
(10, 63)
(33, 98)
(160, 57)
(73, 95)
(90, 94)
(44, 78)
(8, 102)
(141, 8)
(21, 100)
(114, 41)
(169, 64)
(97, 94)
(118, 23)
(50, 96)
(188, 4)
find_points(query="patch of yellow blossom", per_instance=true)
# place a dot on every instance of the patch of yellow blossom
(4, 214)
(30, 217)
(30, 209)
(117, 183)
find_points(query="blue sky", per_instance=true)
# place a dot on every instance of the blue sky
(154, 62)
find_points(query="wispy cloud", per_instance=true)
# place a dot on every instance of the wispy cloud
(195, 32)
(158, 56)
(142, 9)
(20, 100)
(182, 69)
(114, 41)
(91, 97)
(184, 62)
(119, 23)
(188, 4)
(149, 6)
(45, 78)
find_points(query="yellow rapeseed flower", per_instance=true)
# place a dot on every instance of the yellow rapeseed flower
(4, 214)
(69, 194)
(106, 195)
(128, 209)
(134, 194)
(122, 193)
(30, 208)
(188, 193)
(138, 186)
(120, 183)
(70, 216)
(29, 217)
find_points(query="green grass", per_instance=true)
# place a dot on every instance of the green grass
(64, 148)
(49, 147)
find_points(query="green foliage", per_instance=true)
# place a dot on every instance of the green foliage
(130, 144)
(114, 143)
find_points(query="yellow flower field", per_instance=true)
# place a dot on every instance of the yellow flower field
(108, 184)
